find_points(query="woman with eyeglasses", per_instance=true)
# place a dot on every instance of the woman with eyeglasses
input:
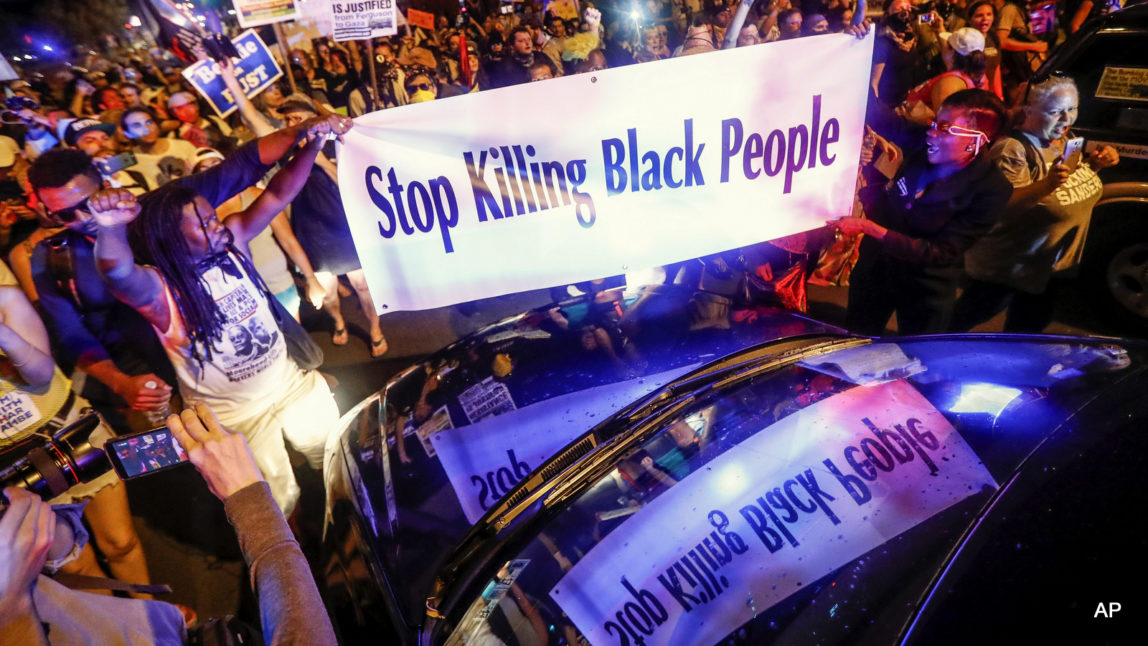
(1024, 261)
(937, 205)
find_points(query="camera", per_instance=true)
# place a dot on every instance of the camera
(52, 466)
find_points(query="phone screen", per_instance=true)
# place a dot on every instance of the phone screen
(144, 453)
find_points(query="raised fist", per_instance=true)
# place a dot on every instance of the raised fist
(113, 207)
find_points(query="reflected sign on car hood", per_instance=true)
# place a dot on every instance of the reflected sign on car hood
(485, 460)
(787, 506)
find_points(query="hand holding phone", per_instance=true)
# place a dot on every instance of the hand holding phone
(1072, 150)
(144, 453)
(220, 455)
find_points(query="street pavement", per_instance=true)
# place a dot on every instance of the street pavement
(185, 534)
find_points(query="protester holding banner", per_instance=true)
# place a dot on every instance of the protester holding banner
(90, 329)
(319, 222)
(937, 205)
(214, 316)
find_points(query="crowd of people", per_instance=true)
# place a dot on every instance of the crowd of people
(160, 253)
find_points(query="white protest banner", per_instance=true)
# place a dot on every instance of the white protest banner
(594, 175)
(784, 508)
(253, 13)
(485, 460)
(360, 19)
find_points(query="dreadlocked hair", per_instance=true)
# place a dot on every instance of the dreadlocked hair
(156, 239)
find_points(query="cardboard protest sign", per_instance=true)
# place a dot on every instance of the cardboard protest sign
(360, 19)
(787, 506)
(253, 13)
(594, 175)
(424, 19)
(255, 72)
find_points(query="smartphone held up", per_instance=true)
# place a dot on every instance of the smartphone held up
(144, 453)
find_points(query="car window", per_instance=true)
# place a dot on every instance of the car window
(815, 502)
(1121, 104)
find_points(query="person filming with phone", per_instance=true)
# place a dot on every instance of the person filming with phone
(34, 607)
(1024, 260)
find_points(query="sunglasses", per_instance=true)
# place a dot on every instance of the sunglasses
(68, 215)
(425, 87)
(1037, 79)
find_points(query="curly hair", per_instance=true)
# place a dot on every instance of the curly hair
(59, 166)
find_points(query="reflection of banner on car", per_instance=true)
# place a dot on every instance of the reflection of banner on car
(784, 508)
(485, 460)
(255, 71)
(593, 175)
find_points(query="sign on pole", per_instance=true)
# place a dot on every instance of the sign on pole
(253, 13)
(598, 174)
(424, 19)
(255, 72)
(362, 19)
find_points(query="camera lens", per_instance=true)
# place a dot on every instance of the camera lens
(68, 459)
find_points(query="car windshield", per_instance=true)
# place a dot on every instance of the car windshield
(464, 427)
(815, 500)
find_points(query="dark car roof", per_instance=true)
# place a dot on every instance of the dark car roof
(1052, 403)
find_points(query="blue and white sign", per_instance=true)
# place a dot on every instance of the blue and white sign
(255, 71)
(784, 508)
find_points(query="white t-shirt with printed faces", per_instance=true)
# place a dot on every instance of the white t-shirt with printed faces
(249, 363)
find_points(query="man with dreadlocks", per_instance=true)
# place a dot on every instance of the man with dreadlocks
(201, 294)
(127, 371)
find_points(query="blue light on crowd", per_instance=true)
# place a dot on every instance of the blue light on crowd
(983, 398)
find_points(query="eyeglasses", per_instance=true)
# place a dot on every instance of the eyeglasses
(68, 215)
(425, 87)
(958, 131)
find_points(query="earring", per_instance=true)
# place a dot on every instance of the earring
(969, 148)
